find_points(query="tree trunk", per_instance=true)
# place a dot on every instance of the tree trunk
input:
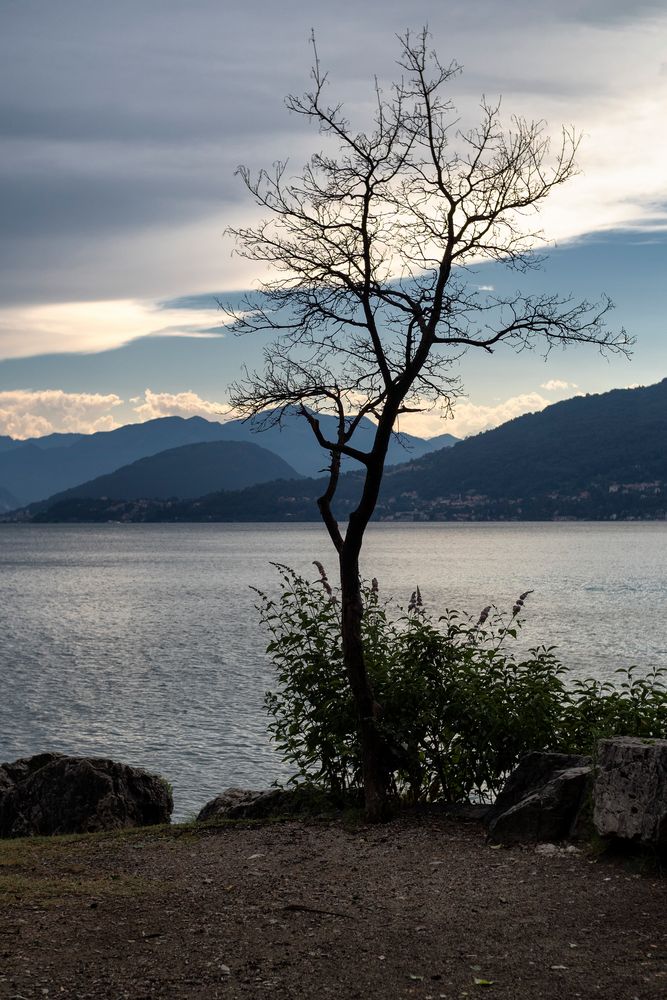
(373, 756)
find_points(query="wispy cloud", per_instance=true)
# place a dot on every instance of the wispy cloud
(97, 325)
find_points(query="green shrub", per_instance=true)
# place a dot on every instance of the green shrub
(459, 709)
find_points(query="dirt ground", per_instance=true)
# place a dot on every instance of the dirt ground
(417, 908)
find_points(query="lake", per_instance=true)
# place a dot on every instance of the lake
(141, 642)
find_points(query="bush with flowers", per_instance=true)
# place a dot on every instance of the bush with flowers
(459, 706)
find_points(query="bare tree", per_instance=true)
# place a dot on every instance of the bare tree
(371, 301)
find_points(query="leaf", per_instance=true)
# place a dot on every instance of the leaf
(483, 982)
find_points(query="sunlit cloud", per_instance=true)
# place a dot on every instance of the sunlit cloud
(555, 384)
(472, 418)
(97, 325)
(152, 405)
(26, 413)
(614, 93)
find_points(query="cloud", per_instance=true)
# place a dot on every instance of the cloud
(26, 413)
(122, 124)
(555, 384)
(97, 325)
(472, 418)
(180, 404)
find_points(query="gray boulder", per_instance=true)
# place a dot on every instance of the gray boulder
(53, 794)
(630, 794)
(243, 803)
(543, 800)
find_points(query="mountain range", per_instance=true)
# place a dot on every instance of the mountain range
(601, 456)
(595, 457)
(39, 468)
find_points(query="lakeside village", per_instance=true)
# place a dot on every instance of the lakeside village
(641, 501)
(617, 501)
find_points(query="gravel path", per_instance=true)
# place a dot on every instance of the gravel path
(416, 908)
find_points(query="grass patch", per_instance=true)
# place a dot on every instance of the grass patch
(19, 887)
(28, 850)
(46, 870)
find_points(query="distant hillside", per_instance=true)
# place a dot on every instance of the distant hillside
(189, 471)
(616, 437)
(41, 467)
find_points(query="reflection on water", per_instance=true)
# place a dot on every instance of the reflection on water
(141, 641)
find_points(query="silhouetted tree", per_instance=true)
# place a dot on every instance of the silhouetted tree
(369, 299)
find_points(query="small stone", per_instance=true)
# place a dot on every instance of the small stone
(546, 849)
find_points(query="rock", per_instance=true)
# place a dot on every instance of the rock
(244, 803)
(630, 792)
(533, 771)
(543, 800)
(230, 800)
(53, 793)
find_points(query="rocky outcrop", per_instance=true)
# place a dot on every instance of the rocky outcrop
(53, 793)
(243, 803)
(543, 800)
(630, 795)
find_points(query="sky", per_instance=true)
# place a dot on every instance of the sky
(122, 124)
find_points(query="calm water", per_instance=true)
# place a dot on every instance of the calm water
(141, 642)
